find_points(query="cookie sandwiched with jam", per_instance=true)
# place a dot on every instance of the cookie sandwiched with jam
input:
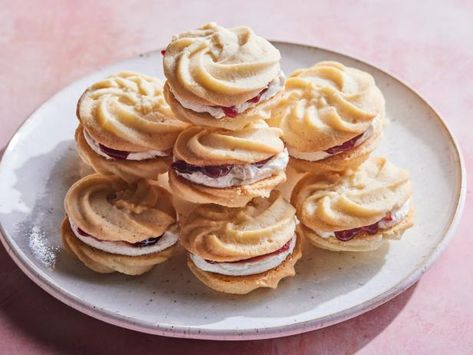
(228, 168)
(126, 127)
(113, 226)
(332, 118)
(221, 77)
(238, 250)
(358, 212)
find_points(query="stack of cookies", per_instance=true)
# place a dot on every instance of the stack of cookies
(120, 219)
(332, 118)
(225, 126)
(221, 81)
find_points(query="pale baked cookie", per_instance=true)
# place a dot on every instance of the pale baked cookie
(357, 212)
(332, 117)
(237, 250)
(127, 128)
(112, 226)
(221, 77)
(228, 168)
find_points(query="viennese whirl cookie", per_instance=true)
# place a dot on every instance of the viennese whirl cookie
(112, 226)
(127, 128)
(237, 250)
(332, 117)
(221, 77)
(228, 168)
(358, 212)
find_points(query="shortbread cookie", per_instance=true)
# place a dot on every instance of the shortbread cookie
(112, 226)
(220, 77)
(357, 212)
(228, 167)
(236, 250)
(332, 117)
(126, 123)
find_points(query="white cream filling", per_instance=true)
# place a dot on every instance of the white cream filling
(275, 86)
(244, 268)
(396, 217)
(244, 174)
(168, 239)
(316, 156)
(149, 154)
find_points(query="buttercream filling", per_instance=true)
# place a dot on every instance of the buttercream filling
(344, 147)
(147, 246)
(388, 221)
(274, 87)
(245, 267)
(221, 176)
(114, 154)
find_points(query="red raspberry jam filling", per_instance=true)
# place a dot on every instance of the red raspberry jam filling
(114, 153)
(143, 243)
(256, 99)
(212, 171)
(261, 163)
(344, 146)
(117, 154)
(284, 248)
(146, 242)
(231, 111)
(372, 229)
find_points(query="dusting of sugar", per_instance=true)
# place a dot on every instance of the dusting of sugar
(40, 248)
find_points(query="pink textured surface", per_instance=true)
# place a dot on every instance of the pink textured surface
(46, 45)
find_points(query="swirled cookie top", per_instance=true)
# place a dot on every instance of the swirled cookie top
(326, 105)
(127, 111)
(108, 209)
(358, 200)
(220, 233)
(213, 65)
(211, 146)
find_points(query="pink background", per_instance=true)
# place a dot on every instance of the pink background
(428, 44)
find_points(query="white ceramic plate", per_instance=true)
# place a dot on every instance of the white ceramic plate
(40, 164)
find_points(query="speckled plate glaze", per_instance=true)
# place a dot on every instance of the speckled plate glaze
(40, 164)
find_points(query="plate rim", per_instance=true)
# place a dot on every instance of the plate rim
(192, 332)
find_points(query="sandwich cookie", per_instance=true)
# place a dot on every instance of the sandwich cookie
(237, 250)
(358, 212)
(112, 226)
(221, 77)
(228, 168)
(126, 127)
(332, 117)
